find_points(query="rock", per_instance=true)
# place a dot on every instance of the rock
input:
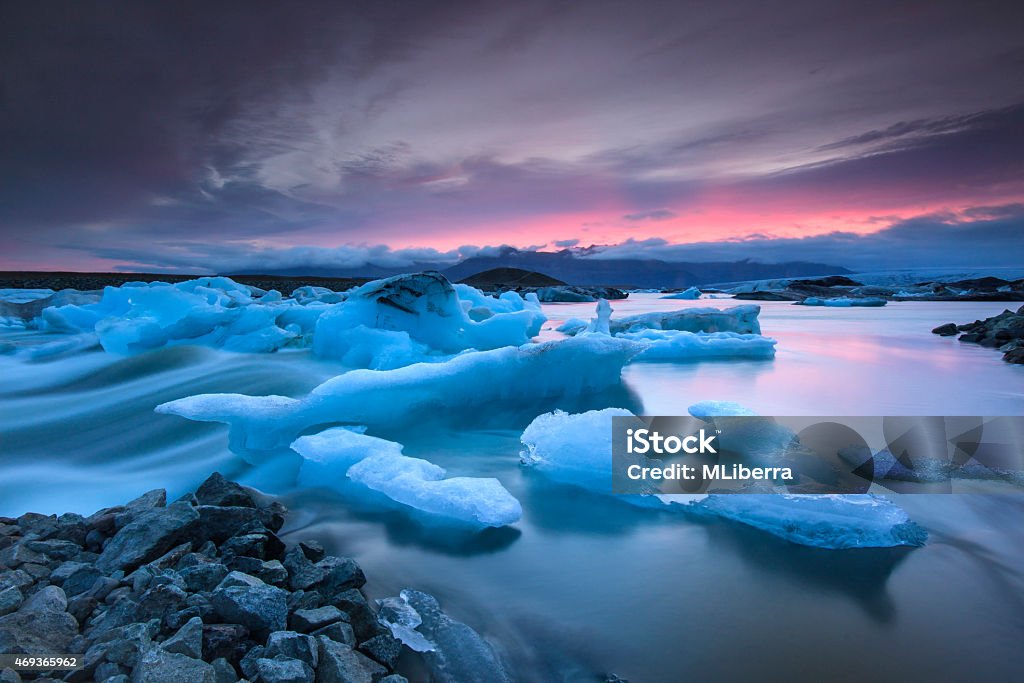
(309, 620)
(81, 607)
(360, 615)
(268, 571)
(223, 670)
(83, 579)
(10, 676)
(248, 662)
(203, 577)
(159, 666)
(1015, 355)
(282, 669)
(55, 549)
(339, 663)
(18, 555)
(217, 490)
(947, 330)
(66, 569)
(224, 641)
(10, 600)
(188, 640)
(107, 671)
(340, 574)
(148, 536)
(218, 524)
(157, 498)
(245, 600)
(303, 574)
(292, 645)
(384, 648)
(397, 678)
(262, 544)
(339, 631)
(41, 626)
(313, 550)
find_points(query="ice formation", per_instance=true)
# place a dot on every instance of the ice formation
(327, 455)
(454, 652)
(824, 521)
(524, 374)
(676, 345)
(738, 319)
(844, 301)
(384, 324)
(686, 335)
(691, 293)
(421, 485)
(418, 315)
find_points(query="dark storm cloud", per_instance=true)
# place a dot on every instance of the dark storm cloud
(122, 124)
(926, 241)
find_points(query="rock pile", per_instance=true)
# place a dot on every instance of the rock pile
(202, 590)
(1004, 332)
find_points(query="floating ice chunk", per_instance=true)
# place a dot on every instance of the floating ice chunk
(572, 326)
(822, 521)
(843, 301)
(427, 308)
(23, 296)
(739, 319)
(454, 652)
(421, 485)
(401, 619)
(327, 455)
(691, 293)
(718, 409)
(600, 324)
(675, 345)
(525, 374)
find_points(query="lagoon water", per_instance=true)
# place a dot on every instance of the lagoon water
(584, 585)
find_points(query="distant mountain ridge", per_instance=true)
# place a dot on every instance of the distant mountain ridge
(569, 267)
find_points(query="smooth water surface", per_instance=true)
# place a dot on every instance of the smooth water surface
(585, 584)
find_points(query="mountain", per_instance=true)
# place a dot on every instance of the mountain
(510, 277)
(566, 266)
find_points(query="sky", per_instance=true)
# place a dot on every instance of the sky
(209, 137)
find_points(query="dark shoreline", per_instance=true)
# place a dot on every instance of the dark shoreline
(93, 281)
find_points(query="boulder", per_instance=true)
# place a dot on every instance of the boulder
(42, 625)
(339, 663)
(151, 534)
(159, 666)
(243, 599)
(217, 490)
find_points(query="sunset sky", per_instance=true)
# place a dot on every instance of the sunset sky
(220, 136)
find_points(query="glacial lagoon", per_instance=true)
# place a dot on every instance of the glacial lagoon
(584, 584)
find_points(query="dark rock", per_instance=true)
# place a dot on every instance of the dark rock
(108, 670)
(339, 631)
(313, 550)
(160, 601)
(64, 570)
(947, 330)
(224, 641)
(188, 640)
(224, 671)
(19, 554)
(159, 666)
(309, 620)
(268, 571)
(35, 523)
(244, 599)
(262, 544)
(81, 580)
(204, 577)
(283, 670)
(151, 534)
(36, 571)
(292, 645)
(55, 549)
(339, 663)
(218, 524)
(81, 607)
(340, 574)
(1015, 355)
(248, 662)
(217, 490)
(14, 577)
(304, 600)
(40, 626)
(303, 574)
(10, 600)
(361, 616)
(384, 648)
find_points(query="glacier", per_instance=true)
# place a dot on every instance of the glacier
(383, 398)
(831, 521)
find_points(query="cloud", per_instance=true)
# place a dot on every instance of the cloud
(566, 243)
(996, 239)
(656, 215)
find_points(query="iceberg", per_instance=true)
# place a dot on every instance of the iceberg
(421, 485)
(832, 521)
(843, 301)
(524, 374)
(327, 455)
(691, 293)
(453, 651)
(422, 315)
(738, 319)
(674, 345)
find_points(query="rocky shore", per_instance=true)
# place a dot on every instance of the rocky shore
(202, 589)
(86, 282)
(842, 287)
(1004, 332)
